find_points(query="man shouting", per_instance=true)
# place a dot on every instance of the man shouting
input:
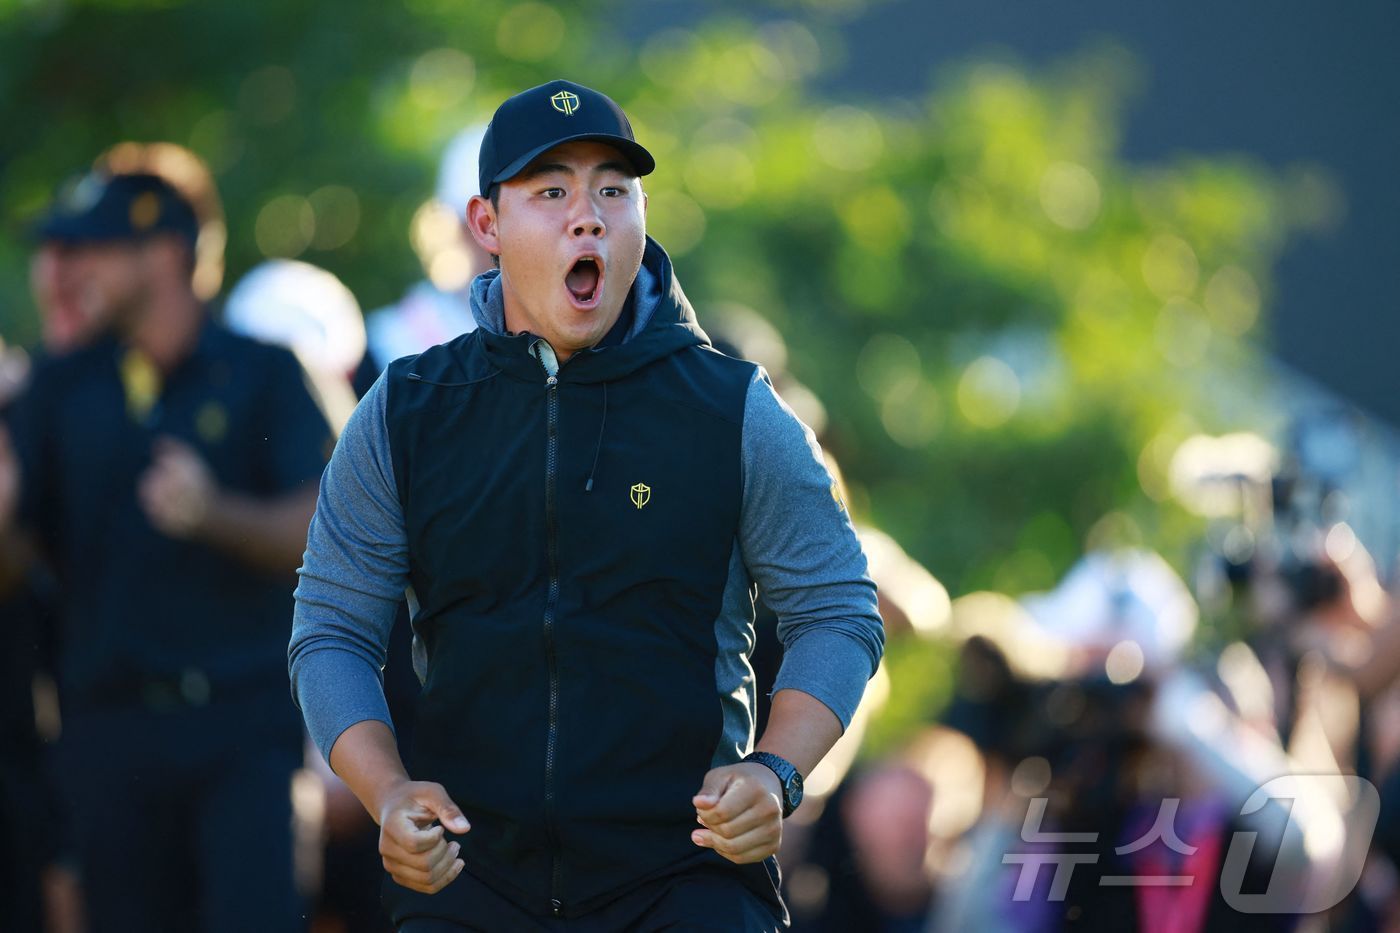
(580, 496)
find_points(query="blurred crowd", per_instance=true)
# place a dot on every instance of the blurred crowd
(1106, 761)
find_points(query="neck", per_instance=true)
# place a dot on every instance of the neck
(516, 323)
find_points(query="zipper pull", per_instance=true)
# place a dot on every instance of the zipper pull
(552, 381)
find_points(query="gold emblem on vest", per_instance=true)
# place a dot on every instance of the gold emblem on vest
(566, 102)
(212, 422)
(141, 382)
(641, 494)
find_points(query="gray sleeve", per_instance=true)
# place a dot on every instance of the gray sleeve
(801, 549)
(351, 581)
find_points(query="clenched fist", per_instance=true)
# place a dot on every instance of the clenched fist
(177, 491)
(412, 837)
(740, 807)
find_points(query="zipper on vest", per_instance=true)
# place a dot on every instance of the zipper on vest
(545, 354)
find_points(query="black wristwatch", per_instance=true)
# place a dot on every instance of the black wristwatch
(787, 775)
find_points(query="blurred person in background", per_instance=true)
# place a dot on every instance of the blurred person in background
(868, 855)
(1152, 758)
(27, 813)
(1090, 721)
(165, 470)
(37, 875)
(1316, 652)
(309, 311)
(1324, 647)
(437, 308)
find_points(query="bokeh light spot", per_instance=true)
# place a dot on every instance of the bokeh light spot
(876, 219)
(268, 95)
(530, 32)
(1232, 300)
(676, 221)
(1169, 266)
(720, 176)
(1124, 662)
(441, 78)
(1031, 777)
(1183, 333)
(912, 414)
(667, 56)
(888, 364)
(285, 226)
(988, 393)
(1069, 195)
(848, 138)
(337, 216)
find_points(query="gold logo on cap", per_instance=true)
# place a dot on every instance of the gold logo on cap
(566, 103)
(145, 211)
(641, 494)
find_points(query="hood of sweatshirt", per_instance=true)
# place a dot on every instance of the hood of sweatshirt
(663, 322)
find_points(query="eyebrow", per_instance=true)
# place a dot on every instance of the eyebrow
(546, 168)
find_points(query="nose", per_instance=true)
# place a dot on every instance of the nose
(586, 219)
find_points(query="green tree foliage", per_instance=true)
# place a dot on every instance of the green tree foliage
(1012, 327)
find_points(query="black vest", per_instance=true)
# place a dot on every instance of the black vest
(570, 706)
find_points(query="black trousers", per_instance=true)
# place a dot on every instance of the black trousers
(183, 817)
(703, 900)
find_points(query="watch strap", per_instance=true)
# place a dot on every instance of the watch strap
(784, 769)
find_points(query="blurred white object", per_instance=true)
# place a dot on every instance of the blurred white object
(309, 311)
(438, 309)
(1213, 476)
(457, 174)
(302, 307)
(1110, 598)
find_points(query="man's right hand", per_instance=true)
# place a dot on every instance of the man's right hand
(412, 839)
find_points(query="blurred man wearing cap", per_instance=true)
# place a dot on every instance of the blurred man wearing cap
(580, 494)
(438, 308)
(165, 470)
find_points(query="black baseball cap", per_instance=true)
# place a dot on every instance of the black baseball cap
(99, 207)
(541, 118)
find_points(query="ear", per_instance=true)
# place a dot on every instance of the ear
(481, 223)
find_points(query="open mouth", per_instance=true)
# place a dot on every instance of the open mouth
(585, 281)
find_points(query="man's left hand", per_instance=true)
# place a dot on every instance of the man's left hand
(740, 807)
(178, 490)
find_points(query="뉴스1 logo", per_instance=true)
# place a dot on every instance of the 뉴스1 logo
(641, 494)
(1283, 816)
(566, 102)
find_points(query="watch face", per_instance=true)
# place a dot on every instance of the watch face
(794, 791)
